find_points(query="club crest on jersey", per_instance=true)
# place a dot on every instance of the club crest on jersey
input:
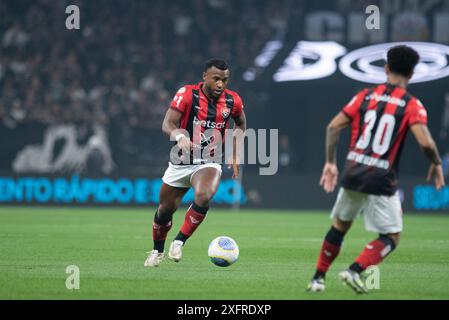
(226, 112)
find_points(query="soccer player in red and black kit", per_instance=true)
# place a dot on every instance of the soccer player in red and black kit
(380, 118)
(197, 119)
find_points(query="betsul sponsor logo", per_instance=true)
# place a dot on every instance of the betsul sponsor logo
(209, 124)
(311, 60)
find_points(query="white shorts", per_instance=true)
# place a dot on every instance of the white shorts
(180, 176)
(382, 214)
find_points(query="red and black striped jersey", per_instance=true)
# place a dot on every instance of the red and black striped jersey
(206, 119)
(381, 117)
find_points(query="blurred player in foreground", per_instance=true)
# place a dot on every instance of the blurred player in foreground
(197, 119)
(380, 118)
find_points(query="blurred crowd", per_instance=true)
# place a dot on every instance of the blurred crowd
(127, 59)
(121, 69)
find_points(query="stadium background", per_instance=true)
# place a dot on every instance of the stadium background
(81, 110)
(82, 151)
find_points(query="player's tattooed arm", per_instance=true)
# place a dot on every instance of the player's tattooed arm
(339, 122)
(433, 154)
(332, 137)
(329, 177)
(427, 144)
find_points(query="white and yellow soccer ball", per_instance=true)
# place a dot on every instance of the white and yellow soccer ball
(223, 251)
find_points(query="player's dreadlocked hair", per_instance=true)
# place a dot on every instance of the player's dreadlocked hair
(217, 63)
(402, 60)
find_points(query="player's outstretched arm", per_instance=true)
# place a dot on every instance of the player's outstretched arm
(427, 144)
(239, 129)
(170, 126)
(329, 177)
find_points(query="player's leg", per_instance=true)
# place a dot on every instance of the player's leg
(345, 210)
(331, 246)
(205, 184)
(384, 216)
(375, 252)
(330, 249)
(169, 199)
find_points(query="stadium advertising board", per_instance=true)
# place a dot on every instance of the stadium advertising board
(76, 190)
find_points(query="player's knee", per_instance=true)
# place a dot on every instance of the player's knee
(167, 209)
(203, 197)
(342, 226)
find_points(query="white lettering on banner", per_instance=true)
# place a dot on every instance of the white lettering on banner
(317, 59)
(361, 64)
(391, 18)
(323, 54)
(73, 157)
(368, 161)
(264, 59)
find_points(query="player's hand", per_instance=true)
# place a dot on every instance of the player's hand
(235, 168)
(436, 173)
(185, 144)
(329, 177)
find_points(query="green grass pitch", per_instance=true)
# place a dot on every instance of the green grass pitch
(278, 250)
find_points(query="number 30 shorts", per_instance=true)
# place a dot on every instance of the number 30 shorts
(382, 214)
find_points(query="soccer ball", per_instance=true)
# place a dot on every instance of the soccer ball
(223, 251)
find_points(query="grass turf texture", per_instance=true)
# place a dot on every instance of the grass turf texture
(278, 250)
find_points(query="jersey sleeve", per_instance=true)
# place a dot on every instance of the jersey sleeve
(417, 113)
(353, 106)
(238, 106)
(181, 100)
